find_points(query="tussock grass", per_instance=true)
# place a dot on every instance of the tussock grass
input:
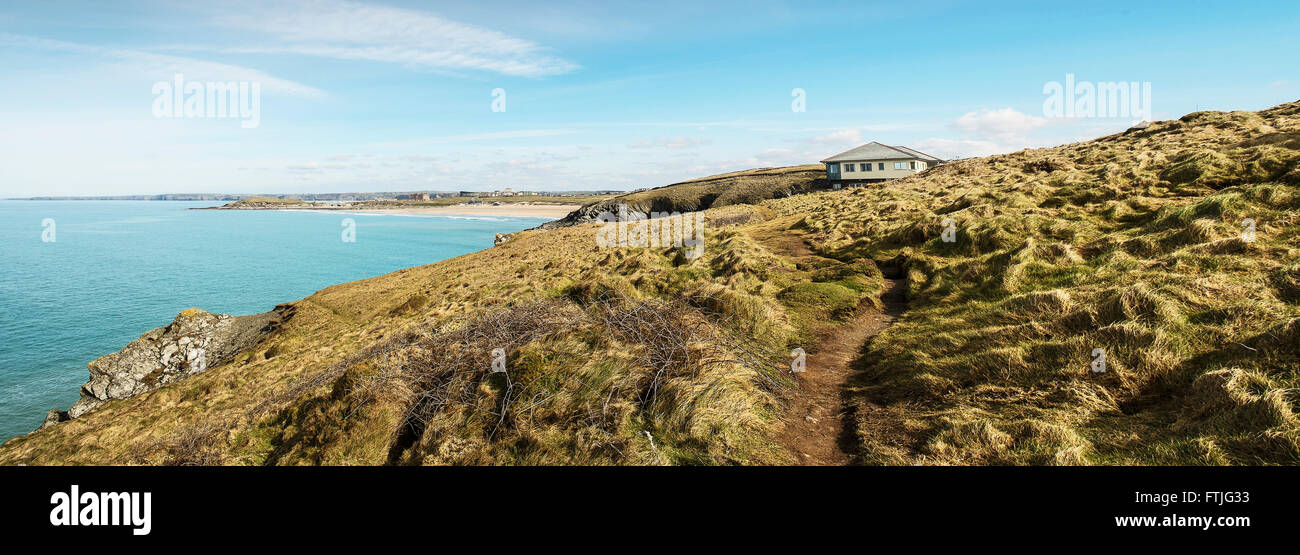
(1131, 244)
(669, 374)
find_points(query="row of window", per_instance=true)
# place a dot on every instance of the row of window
(866, 167)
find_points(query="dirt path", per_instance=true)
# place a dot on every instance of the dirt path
(819, 428)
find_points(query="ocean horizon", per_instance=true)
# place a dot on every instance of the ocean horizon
(84, 278)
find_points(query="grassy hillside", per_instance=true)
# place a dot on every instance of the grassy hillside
(1131, 243)
(717, 191)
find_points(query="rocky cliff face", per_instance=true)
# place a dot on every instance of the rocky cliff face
(193, 342)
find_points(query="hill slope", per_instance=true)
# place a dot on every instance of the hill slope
(1131, 244)
(716, 191)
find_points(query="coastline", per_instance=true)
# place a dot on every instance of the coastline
(61, 411)
(547, 211)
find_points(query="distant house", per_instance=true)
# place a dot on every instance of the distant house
(420, 196)
(874, 163)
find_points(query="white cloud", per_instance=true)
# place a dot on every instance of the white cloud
(683, 142)
(843, 137)
(163, 67)
(1005, 124)
(962, 148)
(352, 31)
(854, 136)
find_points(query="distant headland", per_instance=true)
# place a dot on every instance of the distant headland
(335, 197)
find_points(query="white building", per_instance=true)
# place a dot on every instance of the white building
(875, 162)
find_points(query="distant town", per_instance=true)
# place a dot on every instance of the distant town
(337, 197)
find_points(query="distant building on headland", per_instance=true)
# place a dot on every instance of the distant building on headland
(874, 163)
(506, 192)
(509, 192)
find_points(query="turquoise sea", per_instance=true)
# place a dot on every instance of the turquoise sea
(119, 268)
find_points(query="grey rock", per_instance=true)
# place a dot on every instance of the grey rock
(54, 417)
(202, 340)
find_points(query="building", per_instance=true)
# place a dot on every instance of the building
(874, 163)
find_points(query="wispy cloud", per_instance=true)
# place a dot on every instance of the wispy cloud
(675, 143)
(473, 137)
(163, 66)
(353, 31)
(842, 137)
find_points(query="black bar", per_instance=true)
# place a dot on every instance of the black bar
(1081, 503)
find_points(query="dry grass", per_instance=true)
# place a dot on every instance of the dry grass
(1131, 243)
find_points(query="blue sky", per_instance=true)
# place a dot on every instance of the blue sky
(397, 96)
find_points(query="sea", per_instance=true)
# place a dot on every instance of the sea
(81, 279)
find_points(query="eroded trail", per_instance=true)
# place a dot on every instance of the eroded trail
(819, 427)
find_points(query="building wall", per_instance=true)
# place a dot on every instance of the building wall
(876, 173)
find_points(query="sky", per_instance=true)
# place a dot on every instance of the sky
(593, 95)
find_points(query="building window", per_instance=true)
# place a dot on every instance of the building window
(848, 167)
(900, 165)
(833, 168)
(882, 167)
(866, 167)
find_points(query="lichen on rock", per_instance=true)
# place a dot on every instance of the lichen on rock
(195, 341)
